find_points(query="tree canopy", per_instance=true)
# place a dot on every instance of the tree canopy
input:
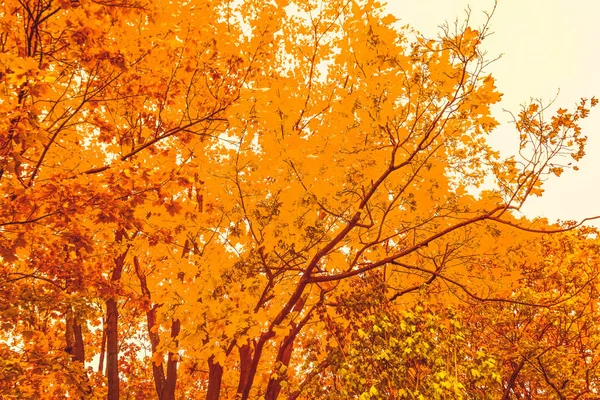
(286, 199)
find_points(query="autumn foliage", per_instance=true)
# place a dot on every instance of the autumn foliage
(285, 199)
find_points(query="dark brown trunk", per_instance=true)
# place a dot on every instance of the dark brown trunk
(74, 341)
(283, 356)
(165, 386)
(168, 390)
(112, 325)
(215, 374)
(245, 362)
(74, 328)
(112, 349)
(157, 370)
(258, 348)
(79, 350)
(69, 331)
(511, 381)
(74, 336)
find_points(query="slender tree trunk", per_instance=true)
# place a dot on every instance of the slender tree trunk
(112, 349)
(258, 348)
(215, 374)
(75, 346)
(79, 350)
(283, 358)
(69, 331)
(285, 351)
(511, 381)
(284, 354)
(73, 328)
(165, 385)
(158, 372)
(168, 390)
(112, 326)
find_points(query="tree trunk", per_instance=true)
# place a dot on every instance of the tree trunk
(168, 390)
(112, 326)
(215, 374)
(79, 349)
(245, 362)
(511, 381)
(258, 348)
(284, 354)
(112, 349)
(75, 346)
(69, 331)
(283, 357)
(165, 386)
(157, 370)
(73, 328)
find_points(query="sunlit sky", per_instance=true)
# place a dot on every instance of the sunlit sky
(548, 47)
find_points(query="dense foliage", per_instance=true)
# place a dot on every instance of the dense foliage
(220, 199)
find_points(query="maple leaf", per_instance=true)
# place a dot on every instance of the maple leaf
(173, 207)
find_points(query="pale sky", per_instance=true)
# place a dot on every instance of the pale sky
(546, 46)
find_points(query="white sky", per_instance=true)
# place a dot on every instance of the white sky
(546, 46)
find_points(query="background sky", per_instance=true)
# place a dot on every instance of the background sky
(547, 47)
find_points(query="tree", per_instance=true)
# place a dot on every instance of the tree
(380, 350)
(548, 351)
(540, 341)
(192, 189)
